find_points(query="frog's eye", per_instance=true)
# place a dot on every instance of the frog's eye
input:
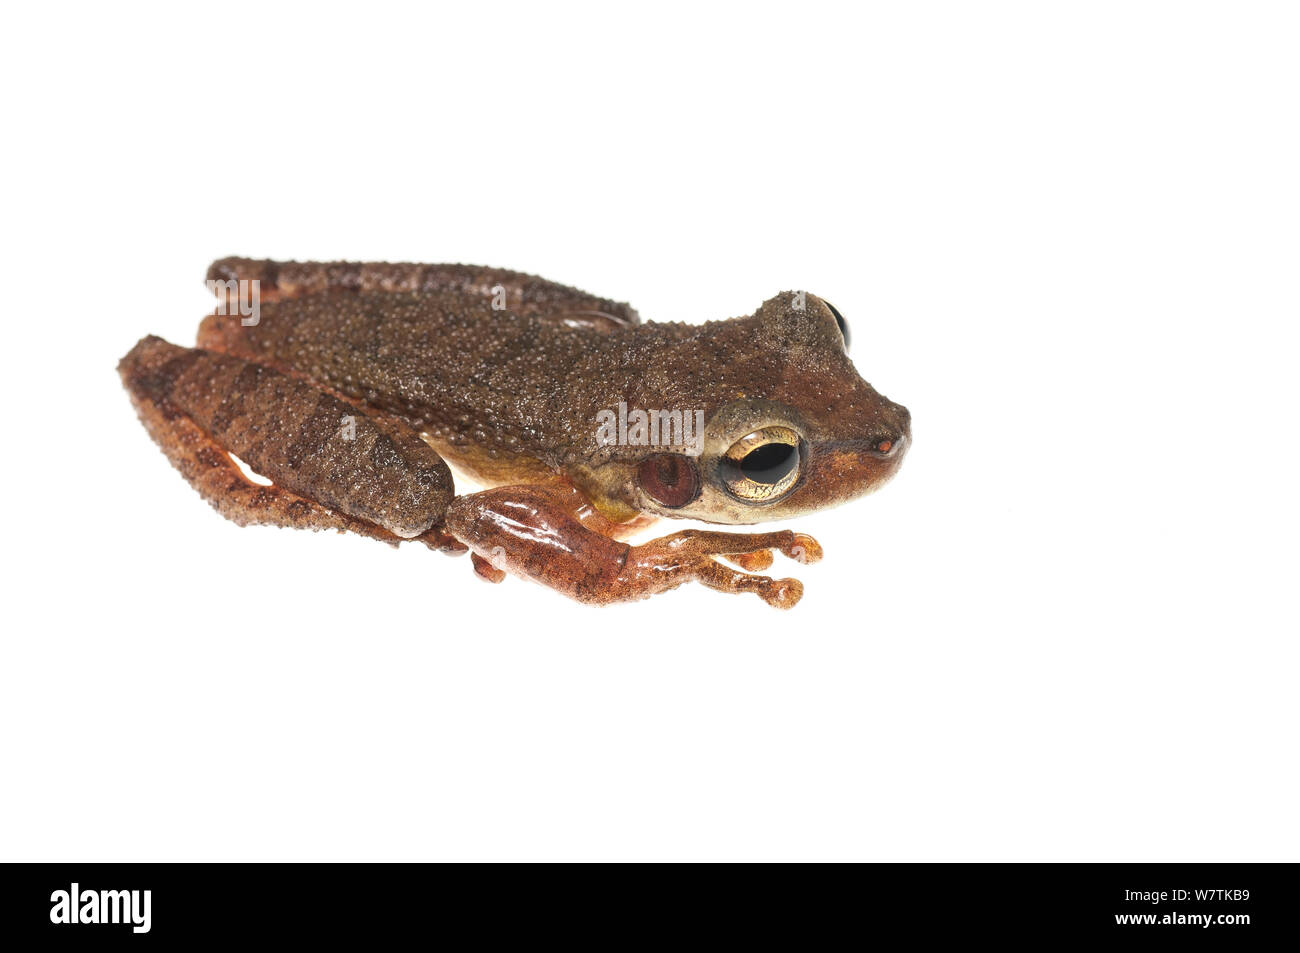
(762, 466)
(839, 319)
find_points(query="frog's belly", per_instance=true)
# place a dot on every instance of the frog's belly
(489, 468)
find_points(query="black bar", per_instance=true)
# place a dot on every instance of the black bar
(1228, 904)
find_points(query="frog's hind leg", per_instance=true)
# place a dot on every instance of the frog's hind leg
(332, 466)
(506, 290)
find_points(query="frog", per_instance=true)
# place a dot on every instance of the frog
(346, 400)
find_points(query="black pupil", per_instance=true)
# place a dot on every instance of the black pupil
(769, 463)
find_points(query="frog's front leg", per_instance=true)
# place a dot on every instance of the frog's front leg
(539, 532)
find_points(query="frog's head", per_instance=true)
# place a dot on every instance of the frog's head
(791, 425)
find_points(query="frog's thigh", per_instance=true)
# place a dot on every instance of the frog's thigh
(536, 532)
(207, 467)
(333, 466)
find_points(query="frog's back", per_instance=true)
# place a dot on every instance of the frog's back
(503, 372)
(493, 385)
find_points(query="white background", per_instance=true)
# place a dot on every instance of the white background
(1066, 236)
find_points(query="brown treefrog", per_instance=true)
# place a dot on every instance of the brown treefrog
(356, 382)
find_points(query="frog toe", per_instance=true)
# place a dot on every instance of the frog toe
(756, 561)
(780, 593)
(804, 549)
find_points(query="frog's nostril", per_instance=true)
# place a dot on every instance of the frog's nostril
(892, 444)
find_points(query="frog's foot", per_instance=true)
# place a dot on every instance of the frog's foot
(484, 569)
(443, 542)
(690, 552)
(536, 532)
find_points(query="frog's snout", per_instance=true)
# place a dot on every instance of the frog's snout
(897, 433)
(880, 453)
